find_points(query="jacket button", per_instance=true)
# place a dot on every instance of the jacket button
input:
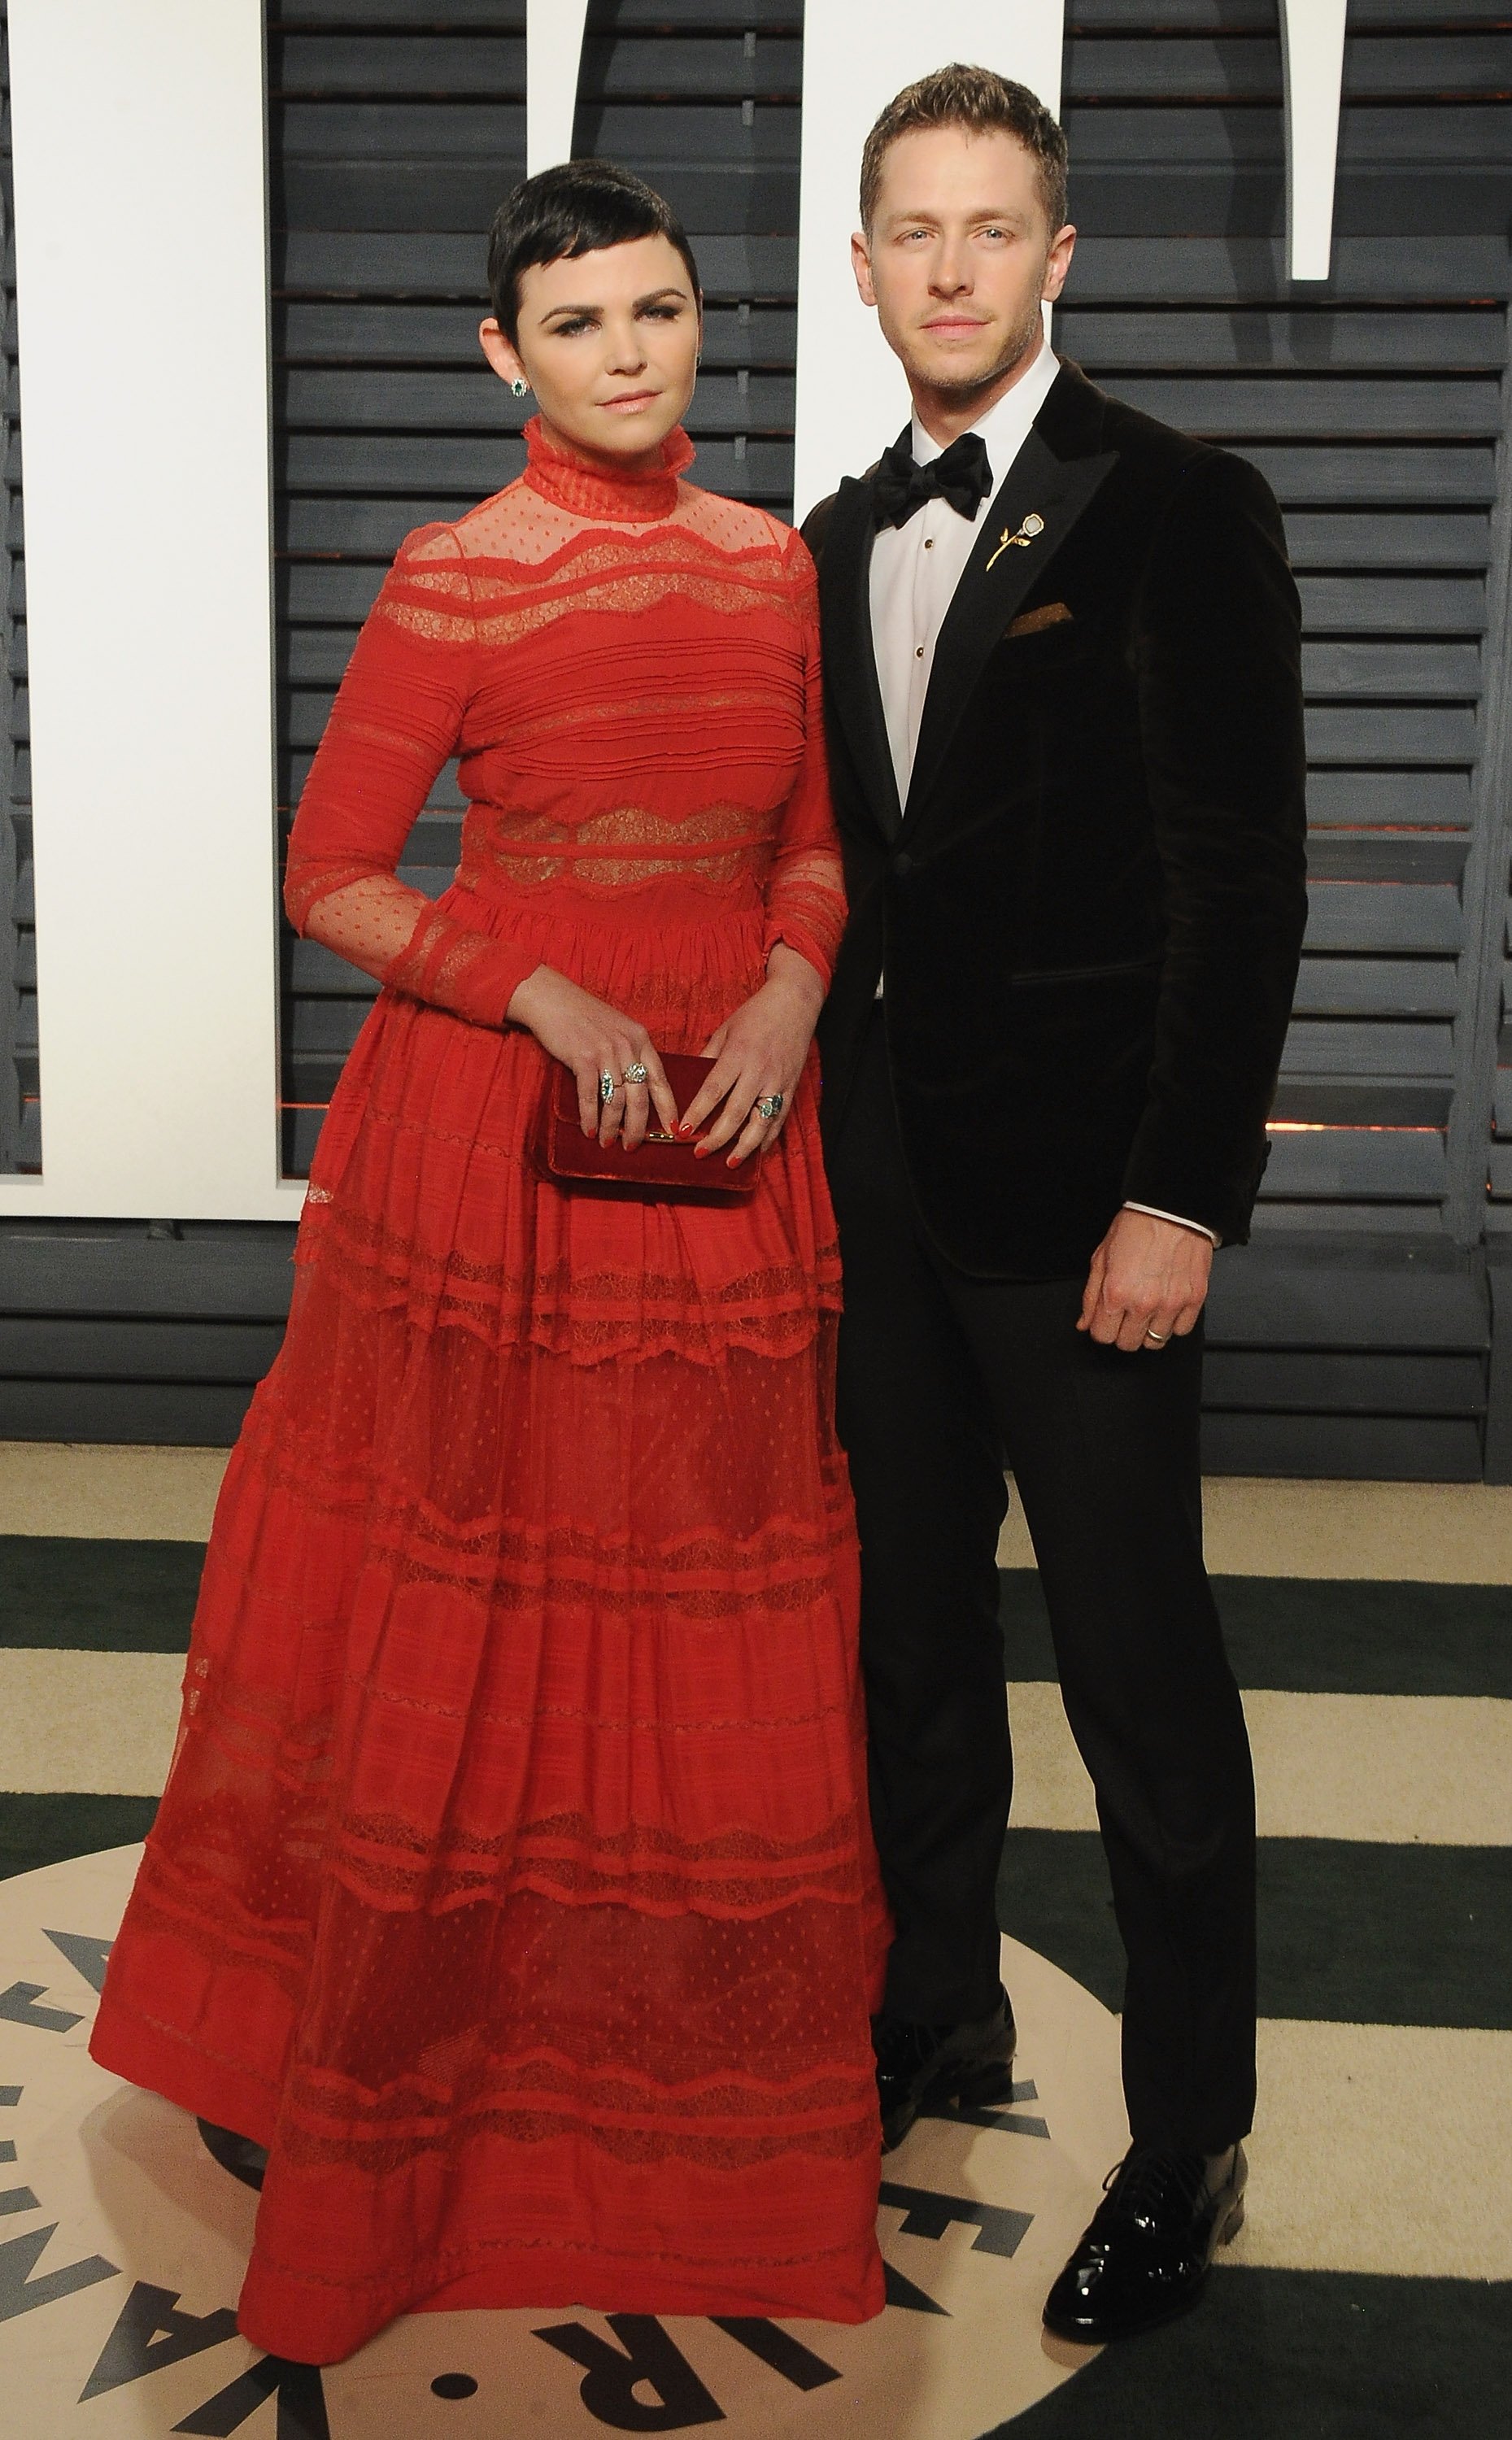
(902, 863)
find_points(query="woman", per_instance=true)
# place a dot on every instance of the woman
(512, 1884)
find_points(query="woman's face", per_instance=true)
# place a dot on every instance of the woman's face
(609, 344)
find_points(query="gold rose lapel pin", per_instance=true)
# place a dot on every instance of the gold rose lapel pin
(1033, 527)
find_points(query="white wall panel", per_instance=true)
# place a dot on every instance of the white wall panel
(1312, 40)
(141, 269)
(851, 397)
(553, 48)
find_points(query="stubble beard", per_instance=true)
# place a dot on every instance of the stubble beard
(960, 389)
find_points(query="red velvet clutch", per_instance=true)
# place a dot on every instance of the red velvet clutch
(663, 1169)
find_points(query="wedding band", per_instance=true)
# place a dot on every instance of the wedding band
(771, 1108)
(1160, 1337)
(608, 1087)
(637, 1072)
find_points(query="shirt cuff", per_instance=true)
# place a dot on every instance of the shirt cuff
(1197, 1226)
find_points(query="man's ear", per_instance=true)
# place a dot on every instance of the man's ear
(861, 265)
(1058, 262)
(501, 355)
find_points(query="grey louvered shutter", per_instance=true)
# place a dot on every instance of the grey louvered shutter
(1354, 1338)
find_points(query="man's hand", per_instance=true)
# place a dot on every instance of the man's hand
(1147, 1283)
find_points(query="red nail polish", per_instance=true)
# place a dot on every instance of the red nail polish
(683, 1128)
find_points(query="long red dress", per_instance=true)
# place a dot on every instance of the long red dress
(513, 1883)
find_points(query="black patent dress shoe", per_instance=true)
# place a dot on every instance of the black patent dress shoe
(1145, 2257)
(972, 2063)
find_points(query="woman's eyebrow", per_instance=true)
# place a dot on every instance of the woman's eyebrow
(653, 297)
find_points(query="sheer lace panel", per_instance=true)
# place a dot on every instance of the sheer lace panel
(525, 638)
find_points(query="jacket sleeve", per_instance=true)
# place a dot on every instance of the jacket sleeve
(1218, 660)
(806, 885)
(396, 720)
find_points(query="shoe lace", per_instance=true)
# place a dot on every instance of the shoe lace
(1143, 2180)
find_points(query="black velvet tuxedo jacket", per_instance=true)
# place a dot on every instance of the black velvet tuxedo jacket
(1090, 909)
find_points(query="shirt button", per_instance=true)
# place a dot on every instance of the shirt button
(918, 652)
(928, 542)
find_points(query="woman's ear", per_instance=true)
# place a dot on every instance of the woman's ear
(502, 356)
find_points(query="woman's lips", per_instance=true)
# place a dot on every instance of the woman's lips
(631, 399)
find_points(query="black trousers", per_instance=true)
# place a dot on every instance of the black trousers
(942, 1378)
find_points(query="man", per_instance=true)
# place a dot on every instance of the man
(1062, 667)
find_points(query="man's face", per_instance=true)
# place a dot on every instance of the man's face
(958, 256)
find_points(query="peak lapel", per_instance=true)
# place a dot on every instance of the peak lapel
(850, 661)
(1008, 557)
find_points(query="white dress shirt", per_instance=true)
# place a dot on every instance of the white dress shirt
(915, 569)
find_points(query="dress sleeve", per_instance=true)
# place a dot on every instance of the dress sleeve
(396, 721)
(805, 886)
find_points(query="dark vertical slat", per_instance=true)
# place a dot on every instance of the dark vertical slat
(1486, 885)
(19, 1112)
(1499, 1397)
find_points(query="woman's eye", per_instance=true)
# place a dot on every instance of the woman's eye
(570, 330)
(662, 313)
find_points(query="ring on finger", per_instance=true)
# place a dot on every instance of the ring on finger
(637, 1072)
(770, 1108)
(1158, 1338)
(608, 1087)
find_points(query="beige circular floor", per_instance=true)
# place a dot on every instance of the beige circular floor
(122, 2245)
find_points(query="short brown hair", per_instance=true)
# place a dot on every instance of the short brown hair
(987, 103)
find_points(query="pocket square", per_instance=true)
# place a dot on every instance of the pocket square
(1028, 622)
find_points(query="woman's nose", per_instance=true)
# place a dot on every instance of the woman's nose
(627, 351)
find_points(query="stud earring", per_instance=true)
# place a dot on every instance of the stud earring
(519, 389)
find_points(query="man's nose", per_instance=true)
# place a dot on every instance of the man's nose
(950, 273)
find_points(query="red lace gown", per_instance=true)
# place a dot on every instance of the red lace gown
(512, 1882)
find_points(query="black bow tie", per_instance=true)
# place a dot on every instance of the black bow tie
(960, 475)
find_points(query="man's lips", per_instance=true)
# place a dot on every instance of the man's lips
(957, 323)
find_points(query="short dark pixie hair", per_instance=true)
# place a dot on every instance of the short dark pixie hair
(574, 208)
(984, 102)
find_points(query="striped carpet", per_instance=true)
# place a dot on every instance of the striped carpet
(1370, 1627)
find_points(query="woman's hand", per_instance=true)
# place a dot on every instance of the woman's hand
(758, 1053)
(595, 1040)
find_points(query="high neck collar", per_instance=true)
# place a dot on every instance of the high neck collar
(625, 497)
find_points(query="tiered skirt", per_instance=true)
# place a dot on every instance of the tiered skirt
(512, 1882)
